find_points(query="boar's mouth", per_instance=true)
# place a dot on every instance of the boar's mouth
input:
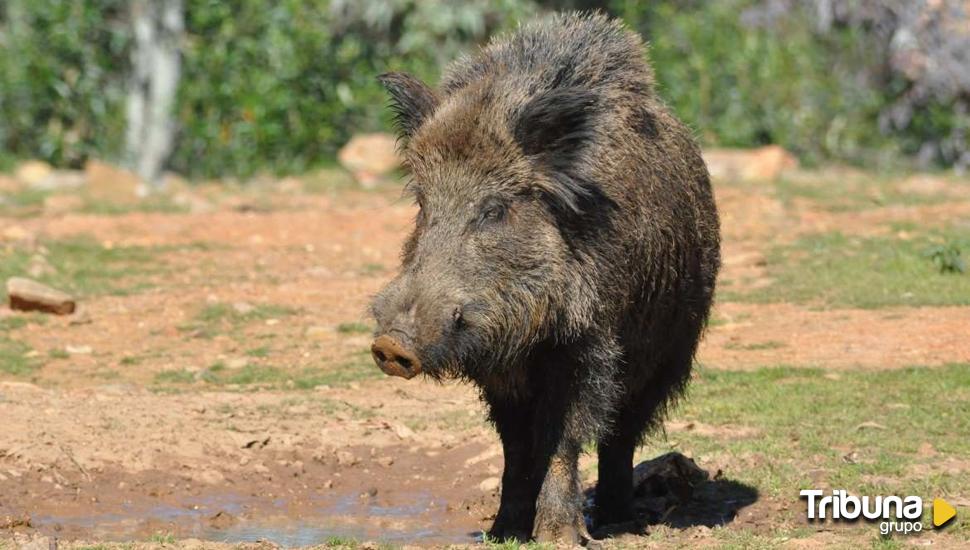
(394, 358)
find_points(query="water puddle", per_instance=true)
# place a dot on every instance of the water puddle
(411, 518)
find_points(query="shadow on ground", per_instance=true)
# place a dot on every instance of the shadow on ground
(672, 490)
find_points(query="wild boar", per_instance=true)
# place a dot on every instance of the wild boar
(563, 258)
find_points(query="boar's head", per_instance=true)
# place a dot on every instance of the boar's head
(494, 264)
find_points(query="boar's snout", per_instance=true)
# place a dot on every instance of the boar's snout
(393, 358)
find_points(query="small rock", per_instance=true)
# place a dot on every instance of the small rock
(221, 520)
(236, 363)
(243, 308)
(763, 164)
(80, 317)
(29, 295)
(370, 157)
(346, 458)
(490, 484)
(386, 461)
(402, 431)
(32, 172)
(60, 180)
(79, 350)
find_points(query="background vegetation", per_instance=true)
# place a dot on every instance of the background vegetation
(279, 86)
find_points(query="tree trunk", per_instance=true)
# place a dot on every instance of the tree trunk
(155, 60)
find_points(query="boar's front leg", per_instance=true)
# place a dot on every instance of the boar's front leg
(559, 515)
(520, 478)
(579, 395)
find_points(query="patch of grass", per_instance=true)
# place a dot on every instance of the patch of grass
(261, 351)
(14, 357)
(179, 376)
(160, 204)
(353, 328)
(854, 193)
(58, 353)
(832, 269)
(512, 544)
(336, 541)
(86, 267)
(24, 203)
(163, 538)
(358, 368)
(372, 269)
(769, 344)
(220, 317)
(864, 431)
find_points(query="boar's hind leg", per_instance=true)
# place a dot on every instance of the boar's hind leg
(614, 485)
(520, 482)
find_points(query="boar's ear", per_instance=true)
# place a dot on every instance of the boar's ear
(553, 129)
(411, 100)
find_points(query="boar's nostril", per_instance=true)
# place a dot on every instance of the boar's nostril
(393, 358)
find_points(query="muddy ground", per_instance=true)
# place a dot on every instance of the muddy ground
(222, 391)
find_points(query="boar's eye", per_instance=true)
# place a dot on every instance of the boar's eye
(492, 212)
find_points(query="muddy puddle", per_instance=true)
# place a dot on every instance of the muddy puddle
(417, 518)
(414, 501)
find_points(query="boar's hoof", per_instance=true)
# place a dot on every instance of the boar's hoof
(393, 359)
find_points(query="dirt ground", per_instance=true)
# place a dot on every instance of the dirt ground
(119, 435)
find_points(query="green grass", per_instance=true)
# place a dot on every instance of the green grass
(179, 376)
(23, 203)
(832, 269)
(336, 541)
(86, 267)
(260, 352)
(512, 544)
(855, 193)
(14, 352)
(14, 359)
(358, 367)
(163, 538)
(811, 420)
(219, 318)
(353, 328)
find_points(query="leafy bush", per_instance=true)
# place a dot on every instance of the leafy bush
(279, 86)
(61, 79)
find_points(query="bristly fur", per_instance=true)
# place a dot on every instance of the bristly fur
(564, 257)
(411, 101)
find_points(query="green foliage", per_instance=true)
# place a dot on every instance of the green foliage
(948, 258)
(744, 85)
(61, 78)
(279, 86)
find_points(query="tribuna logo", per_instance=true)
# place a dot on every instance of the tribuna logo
(897, 514)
